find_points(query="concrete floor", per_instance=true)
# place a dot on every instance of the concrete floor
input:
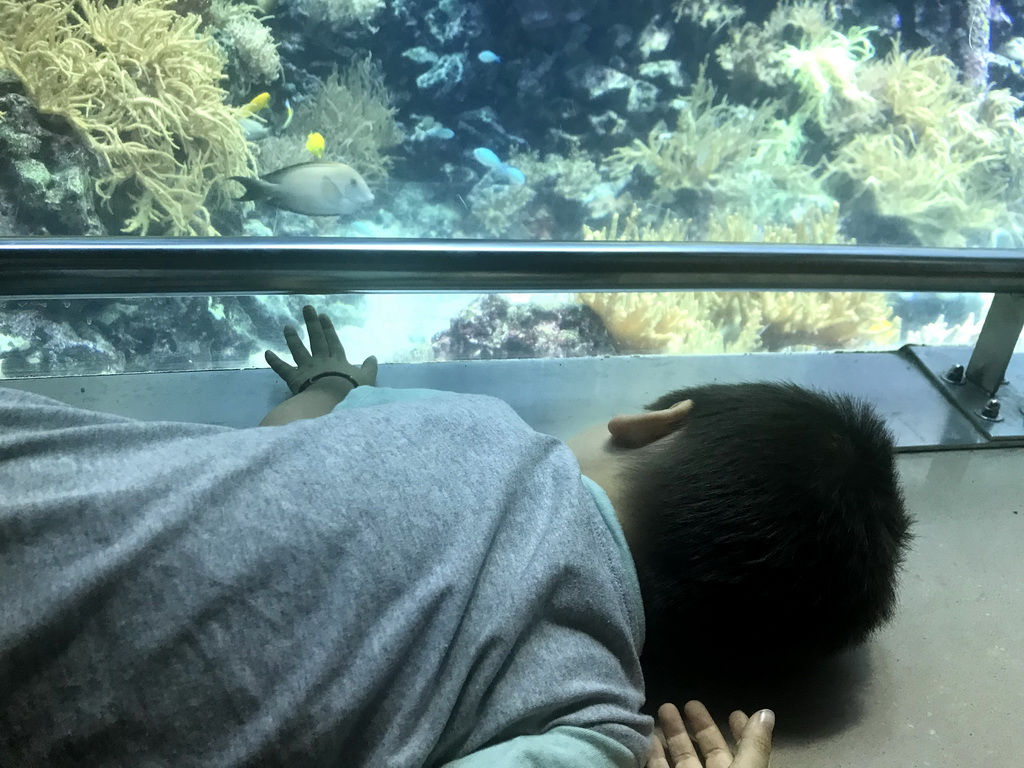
(943, 685)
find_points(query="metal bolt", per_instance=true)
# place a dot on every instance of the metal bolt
(991, 410)
(955, 375)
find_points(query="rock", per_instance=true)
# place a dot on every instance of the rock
(256, 228)
(492, 328)
(46, 168)
(643, 98)
(607, 123)
(654, 38)
(445, 75)
(95, 336)
(668, 72)
(596, 81)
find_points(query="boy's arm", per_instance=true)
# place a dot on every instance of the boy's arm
(562, 747)
(318, 399)
(321, 377)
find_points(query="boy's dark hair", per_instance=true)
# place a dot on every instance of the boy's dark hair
(772, 526)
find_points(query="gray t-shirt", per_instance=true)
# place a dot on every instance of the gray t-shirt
(398, 584)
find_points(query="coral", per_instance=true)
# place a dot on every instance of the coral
(901, 136)
(140, 84)
(755, 52)
(669, 323)
(740, 321)
(341, 13)
(922, 182)
(708, 13)
(633, 229)
(723, 322)
(275, 152)
(946, 160)
(708, 143)
(811, 225)
(574, 177)
(253, 58)
(352, 110)
(500, 208)
(826, 71)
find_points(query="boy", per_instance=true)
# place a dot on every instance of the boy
(415, 577)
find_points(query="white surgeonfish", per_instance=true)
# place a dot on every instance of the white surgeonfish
(317, 188)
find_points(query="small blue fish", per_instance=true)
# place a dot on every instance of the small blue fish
(489, 57)
(488, 159)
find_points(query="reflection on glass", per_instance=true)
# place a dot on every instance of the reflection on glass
(727, 120)
(95, 336)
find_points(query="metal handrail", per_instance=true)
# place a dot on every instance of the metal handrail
(47, 267)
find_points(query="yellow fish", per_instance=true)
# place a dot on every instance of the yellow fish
(259, 102)
(315, 144)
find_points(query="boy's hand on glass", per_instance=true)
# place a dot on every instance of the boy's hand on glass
(754, 736)
(328, 355)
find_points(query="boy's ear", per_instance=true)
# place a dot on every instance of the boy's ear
(642, 429)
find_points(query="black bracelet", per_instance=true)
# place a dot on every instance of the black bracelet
(351, 380)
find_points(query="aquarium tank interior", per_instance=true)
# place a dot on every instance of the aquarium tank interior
(597, 196)
(828, 124)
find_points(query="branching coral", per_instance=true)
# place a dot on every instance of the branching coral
(901, 133)
(140, 83)
(342, 13)
(669, 323)
(353, 112)
(939, 156)
(741, 321)
(825, 70)
(756, 51)
(713, 14)
(249, 45)
(500, 207)
(737, 156)
(709, 141)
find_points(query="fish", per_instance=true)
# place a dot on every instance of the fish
(253, 128)
(289, 114)
(315, 145)
(489, 57)
(316, 188)
(259, 102)
(488, 159)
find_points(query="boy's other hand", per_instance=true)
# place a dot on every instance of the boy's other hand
(328, 355)
(754, 736)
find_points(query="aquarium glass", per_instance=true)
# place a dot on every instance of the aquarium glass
(825, 123)
(60, 337)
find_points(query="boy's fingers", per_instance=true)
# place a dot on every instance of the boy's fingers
(656, 757)
(710, 740)
(280, 367)
(295, 345)
(756, 742)
(681, 752)
(369, 367)
(334, 346)
(317, 340)
(737, 722)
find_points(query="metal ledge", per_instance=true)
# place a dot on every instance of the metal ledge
(48, 267)
(556, 396)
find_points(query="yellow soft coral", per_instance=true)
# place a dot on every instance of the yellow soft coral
(706, 146)
(140, 83)
(716, 322)
(668, 323)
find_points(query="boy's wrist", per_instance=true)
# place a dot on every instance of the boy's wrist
(338, 386)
